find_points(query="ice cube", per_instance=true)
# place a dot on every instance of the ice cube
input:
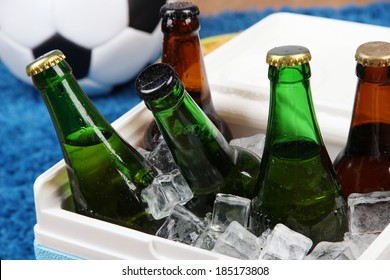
(181, 226)
(207, 219)
(358, 243)
(369, 213)
(144, 153)
(263, 238)
(350, 249)
(161, 158)
(254, 143)
(207, 239)
(165, 192)
(285, 244)
(331, 251)
(238, 242)
(228, 208)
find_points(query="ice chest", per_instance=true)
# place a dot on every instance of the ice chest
(237, 74)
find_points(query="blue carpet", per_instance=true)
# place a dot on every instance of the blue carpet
(29, 144)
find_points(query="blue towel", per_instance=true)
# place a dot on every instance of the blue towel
(29, 145)
(45, 253)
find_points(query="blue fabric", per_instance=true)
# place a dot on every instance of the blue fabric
(29, 144)
(45, 253)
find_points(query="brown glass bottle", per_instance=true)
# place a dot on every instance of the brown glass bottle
(182, 50)
(364, 164)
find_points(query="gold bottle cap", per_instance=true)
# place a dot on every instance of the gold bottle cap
(44, 62)
(373, 54)
(288, 56)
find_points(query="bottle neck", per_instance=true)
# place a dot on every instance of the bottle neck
(292, 116)
(182, 50)
(372, 99)
(169, 101)
(69, 107)
(181, 121)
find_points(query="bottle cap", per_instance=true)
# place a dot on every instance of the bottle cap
(156, 81)
(373, 54)
(288, 56)
(44, 62)
(179, 10)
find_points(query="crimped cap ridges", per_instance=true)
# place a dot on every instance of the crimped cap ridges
(290, 55)
(44, 62)
(179, 10)
(373, 54)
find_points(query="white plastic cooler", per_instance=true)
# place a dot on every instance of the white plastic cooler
(237, 74)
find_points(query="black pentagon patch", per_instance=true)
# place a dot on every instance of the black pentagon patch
(144, 14)
(79, 58)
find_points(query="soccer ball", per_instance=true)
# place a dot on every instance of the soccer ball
(106, 42)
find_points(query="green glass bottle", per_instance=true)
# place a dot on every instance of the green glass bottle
(203, 155)
(182, 50)
(106, 174)
(297, 185)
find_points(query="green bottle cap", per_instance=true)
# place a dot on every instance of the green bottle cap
(156, 81)
(44, 62)
(179, 10)
(373, 54)
(288, 56)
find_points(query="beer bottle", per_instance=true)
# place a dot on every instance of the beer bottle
(182, 50)
(297, 185)
(208, 163)
(364, 164)
(106, 174)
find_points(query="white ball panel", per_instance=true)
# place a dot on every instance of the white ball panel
(27, 22)
(15, 57)
(93, 88)
(90, 23)
(118, 52)
(121, 58)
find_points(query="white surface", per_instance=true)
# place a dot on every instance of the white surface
(242, 99)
